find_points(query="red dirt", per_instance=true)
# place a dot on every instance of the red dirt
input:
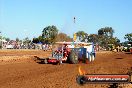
(19, 70)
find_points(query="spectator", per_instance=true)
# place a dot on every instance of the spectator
(44, 47)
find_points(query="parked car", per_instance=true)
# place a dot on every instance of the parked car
(9, 46)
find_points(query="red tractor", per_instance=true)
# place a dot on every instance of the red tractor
(70, 54)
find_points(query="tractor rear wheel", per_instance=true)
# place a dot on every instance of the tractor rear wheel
(73, 57)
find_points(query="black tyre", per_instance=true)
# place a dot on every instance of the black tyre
(80, 80)
(73, 57)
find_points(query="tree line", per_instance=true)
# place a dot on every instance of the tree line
(51, 34)
(104, 37)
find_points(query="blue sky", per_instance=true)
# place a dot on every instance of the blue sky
(22, 18)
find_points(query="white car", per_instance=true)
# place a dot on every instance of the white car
(9, 46)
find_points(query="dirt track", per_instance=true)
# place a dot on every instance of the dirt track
(18, 70)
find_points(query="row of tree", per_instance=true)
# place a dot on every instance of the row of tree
(24, 41)
(104, 37)
(50, 34)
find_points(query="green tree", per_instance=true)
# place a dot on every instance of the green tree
(7, 39)
(41, 39)
(128, 37)
(35, 40)
(105, 35)
(49, 34)
(81, 35)
(17, 39)
(93, 38)
(115, 41)
(26, 40)
(107, 31)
